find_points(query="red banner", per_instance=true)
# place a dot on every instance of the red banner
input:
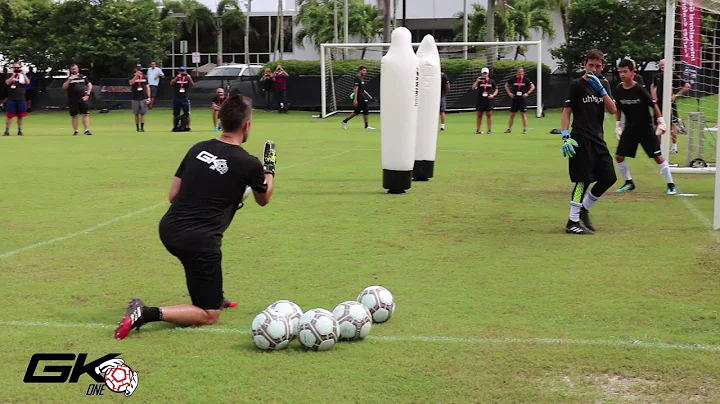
(690, 15)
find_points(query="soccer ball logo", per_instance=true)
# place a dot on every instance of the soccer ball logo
(118, 376)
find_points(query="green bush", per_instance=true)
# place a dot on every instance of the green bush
(502, 68)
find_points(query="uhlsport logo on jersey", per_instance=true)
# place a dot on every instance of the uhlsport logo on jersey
(219, 165)
(107, 371)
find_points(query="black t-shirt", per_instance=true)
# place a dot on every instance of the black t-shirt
(268, 83)
(519, 86)
(635, 103)
(78, 87)
(639, 79)
(443, 82)
(182, 86)
(678, 83)
(360, 84)
(214, 176)
(486, 88)
(139, 89)
(588, 108)
(16, 90)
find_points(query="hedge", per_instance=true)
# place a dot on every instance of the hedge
(502, 68)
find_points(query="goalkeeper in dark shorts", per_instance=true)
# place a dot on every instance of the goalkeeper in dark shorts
(361, 100)
(589, 158)
(635, 102)
(208, 188)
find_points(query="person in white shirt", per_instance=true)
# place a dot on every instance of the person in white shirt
(154, 74)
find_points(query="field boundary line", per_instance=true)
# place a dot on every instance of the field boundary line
(137, 212)
(409, 338)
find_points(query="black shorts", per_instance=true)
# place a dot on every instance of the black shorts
(518, 104)
(203, 275)
(484, 105)
(631, 138)
(674, 116)
(78, 107)
(363, 106)
(592, 162)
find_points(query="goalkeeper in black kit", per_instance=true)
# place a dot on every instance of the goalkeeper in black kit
(635, 102)
(589, 158)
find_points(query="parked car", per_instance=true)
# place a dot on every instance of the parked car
(233, 76)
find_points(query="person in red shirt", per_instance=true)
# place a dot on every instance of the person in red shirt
(281, 86)
(216, 104)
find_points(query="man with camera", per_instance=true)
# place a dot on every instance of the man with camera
(141, 97)
(281, 86)
(16, 104)
(78, 88)
(181, 83)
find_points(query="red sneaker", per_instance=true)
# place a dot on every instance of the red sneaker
(132, 319)
(229, 304)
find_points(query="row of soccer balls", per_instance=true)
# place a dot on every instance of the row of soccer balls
(319, 329)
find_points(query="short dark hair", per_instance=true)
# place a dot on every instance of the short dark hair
(627, 63)
(595, 54)
(361, 67)
(235, 111)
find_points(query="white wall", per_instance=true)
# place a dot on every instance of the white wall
(430, 8)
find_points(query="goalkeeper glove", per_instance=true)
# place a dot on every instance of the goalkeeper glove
(596, 84)
(661, 128)
(569, 144)
(269, 158)
(618, 130)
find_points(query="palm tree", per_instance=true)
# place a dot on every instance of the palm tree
(527, 15)
(478, 25)
(364, 21)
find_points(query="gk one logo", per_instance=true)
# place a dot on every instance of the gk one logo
(219, 165)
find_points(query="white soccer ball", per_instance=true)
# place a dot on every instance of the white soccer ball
(379, 301)
(292, 310)
(354, 320)
(318, 330)
(271, 330)
(248, 192)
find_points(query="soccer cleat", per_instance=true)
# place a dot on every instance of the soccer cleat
(19, 133)
(524, 131)
(576, 228)
(508, 131)
(674, 149)
(229, 304)
(629, 186)
(142, 129)
(344, 125)
(7, 133)
(489, 132)
(671, 190)
(370, 128)
(87, 132)
(442, 129)
(585, 219)
(75, 133)
(133, 319)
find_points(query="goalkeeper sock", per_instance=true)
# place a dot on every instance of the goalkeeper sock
(151, 314)
(665, 171)
(589, 201)
(625, 170)
(575, 211)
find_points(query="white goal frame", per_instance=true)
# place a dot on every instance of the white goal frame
(324, 49)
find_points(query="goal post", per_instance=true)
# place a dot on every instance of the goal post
(337, 84)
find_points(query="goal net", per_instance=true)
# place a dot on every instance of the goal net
(696, 61)
(340, 63)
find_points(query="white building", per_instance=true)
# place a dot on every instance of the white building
(423, 17)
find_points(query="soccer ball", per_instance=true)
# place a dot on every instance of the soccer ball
(354, 320)
(292, 310)
(318, 330)
(379, 301)
(118, 379)
(271, 330)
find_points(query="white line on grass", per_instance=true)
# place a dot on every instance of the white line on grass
(129, 215)
(86, 231)
(413, 338)
(702, 218)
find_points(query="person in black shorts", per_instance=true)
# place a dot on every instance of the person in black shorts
(487, 91)
(361, 100)
(78, 89)
(444, 90)
(589, 158)
(181, 83)
(268, 87)
(634, 102)
(518, 89)
(209, 187)
(680, 88)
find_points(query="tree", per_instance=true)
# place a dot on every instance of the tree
(527, 15)
(24, 33)
(634, 28)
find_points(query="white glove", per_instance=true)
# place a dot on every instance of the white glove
(618, 130)
(661, 128)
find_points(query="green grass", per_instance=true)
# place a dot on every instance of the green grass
(477, 253)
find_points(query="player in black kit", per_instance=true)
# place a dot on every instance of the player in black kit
(589, 158)
(361, 100)
(208, 188)
(634, 101)
(487, 91)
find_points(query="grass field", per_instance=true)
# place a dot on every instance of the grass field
(495, 302)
